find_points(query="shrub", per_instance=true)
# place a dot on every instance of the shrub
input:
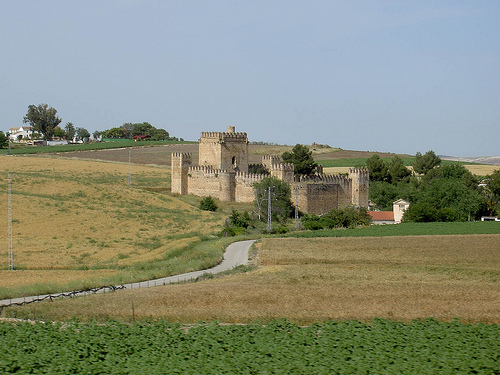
(208, 204)
(348, 217)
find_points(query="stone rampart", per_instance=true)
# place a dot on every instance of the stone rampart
(180, 163)
(204, 181)
(223, 173)
(269, 160)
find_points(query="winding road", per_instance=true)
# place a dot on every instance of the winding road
(235, 255)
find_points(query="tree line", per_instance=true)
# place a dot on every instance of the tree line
(436, 192)
(45, 124)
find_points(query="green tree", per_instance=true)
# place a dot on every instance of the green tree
(425, 163)
(348, 217)
(383, 194)
(160, 135)
(82, 134)
(70, 131)
(115, 133)
(4, 142)
(398, 171)
(450, 199)
(58, 132)
(281, 204)
(378, 169)
(208, 204)
(42, 119)
(493, 191)
(302, 160)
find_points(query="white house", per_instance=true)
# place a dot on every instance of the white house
(20, 133)
(399, 207)
(390, 217)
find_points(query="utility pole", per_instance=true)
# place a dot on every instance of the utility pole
(129, 167)
(11, 254)
(269, 212)
(296, 190)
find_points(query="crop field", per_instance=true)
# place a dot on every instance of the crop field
(385, 299)
(310, 280)
(380, 347)
(77, 223)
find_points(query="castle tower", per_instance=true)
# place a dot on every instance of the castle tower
(227, 186)
(359, 186)
(180, 165)
(226, 151)
(269, 160)
(283, 172)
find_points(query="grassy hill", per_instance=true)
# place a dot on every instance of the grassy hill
(77, 223)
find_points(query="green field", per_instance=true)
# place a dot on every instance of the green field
(109, 144)
(351, 347)
(407, 229)
(361, 162)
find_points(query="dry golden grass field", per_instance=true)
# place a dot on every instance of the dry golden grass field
(311, 280)
(80, 220)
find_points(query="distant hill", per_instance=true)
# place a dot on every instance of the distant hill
(493, 160)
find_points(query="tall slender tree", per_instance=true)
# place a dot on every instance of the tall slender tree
(43, 119)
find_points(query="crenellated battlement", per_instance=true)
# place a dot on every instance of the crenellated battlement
(325, 178)
(224, 137)
(205, 169)
(285, 167)
(248, 178)
(182, 155)
(360, 171)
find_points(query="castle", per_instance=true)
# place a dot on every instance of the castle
(222, 172)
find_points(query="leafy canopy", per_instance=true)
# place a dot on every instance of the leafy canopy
(378, 169)
(302, 160)
(42, 119)
(281, 204)
(70, 131)
(424, 163)
(3, 140)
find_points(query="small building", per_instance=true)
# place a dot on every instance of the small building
(390, 217)
(382, 217)
(398, 208)
(20, 134)
(489, 218)
(140, 137)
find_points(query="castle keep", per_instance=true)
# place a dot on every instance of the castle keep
(222, 172)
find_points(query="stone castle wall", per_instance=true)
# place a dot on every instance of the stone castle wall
(204, 181)
(223, 173)
(321, 193)
(180, 165)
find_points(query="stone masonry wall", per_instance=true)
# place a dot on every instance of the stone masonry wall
(204, 181)
(223, 173)
(245, 191)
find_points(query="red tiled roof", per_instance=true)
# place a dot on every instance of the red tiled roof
(382, 215)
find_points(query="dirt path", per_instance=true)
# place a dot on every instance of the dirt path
(235, 255)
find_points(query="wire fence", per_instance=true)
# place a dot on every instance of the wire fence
(104, 289)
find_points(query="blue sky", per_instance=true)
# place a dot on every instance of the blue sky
(396, 76)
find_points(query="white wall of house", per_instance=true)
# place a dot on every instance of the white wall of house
(399, 207)
(20, 133)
